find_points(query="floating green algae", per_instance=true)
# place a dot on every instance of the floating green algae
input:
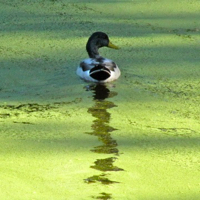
(47, 119)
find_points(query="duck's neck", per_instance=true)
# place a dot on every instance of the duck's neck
(92, 50)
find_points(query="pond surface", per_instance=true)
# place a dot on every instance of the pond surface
(134, 139)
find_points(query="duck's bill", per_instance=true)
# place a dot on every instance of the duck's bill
(111, 45)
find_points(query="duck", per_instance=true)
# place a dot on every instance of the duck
(97, 68)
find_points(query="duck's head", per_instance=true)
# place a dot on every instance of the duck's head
(96, 41)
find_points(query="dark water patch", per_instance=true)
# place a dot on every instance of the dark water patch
(103, 196)
(102, 130)
(100, 126)
(106, 165)
(35, 107)
(177, 131)
(29, 109)
(23, 123)
(102, 178)
(106, 148)
(5, 115)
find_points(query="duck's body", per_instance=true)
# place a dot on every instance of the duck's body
(96, 68)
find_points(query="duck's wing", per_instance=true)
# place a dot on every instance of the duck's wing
(88, 64)
(109, 64)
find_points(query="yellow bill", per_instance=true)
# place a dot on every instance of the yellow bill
(111, 45)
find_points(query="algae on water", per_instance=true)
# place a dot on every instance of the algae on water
(58, 133)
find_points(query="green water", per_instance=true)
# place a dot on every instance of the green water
(136, 138)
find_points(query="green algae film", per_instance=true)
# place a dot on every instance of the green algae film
(45, 112)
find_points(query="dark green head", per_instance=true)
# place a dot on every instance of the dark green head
(96, 41)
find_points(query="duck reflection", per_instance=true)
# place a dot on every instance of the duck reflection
(103, 130)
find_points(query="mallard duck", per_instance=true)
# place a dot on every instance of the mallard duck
(96, 68)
